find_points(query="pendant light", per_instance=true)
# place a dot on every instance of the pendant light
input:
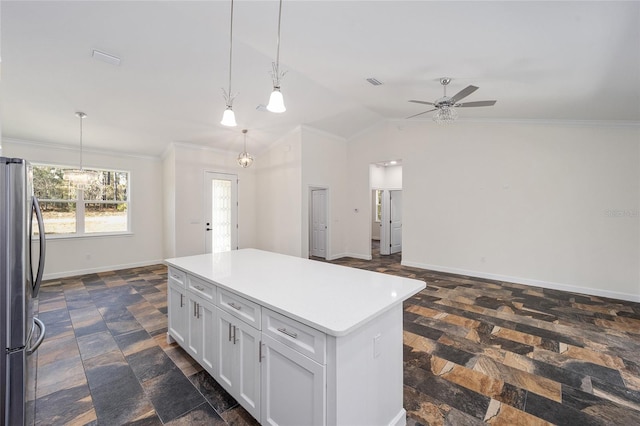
(245, 159)
(229, 117)
(276, 101)
(81, 178)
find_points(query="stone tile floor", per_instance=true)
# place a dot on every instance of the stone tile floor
(476, 352)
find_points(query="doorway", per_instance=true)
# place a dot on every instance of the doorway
(220, 212)
(386, 207)
(318, 237)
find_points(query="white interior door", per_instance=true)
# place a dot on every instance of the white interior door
(319, 223)
(220, 212)
(385, 224)
(395, 204)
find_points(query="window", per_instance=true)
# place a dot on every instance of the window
(378, 205)
(100, 208)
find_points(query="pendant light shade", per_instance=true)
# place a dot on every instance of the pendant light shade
(229, 117)
(81, 178)
(276, 101)
(244, 158)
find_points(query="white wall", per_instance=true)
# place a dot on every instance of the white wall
(74, 256)
(186, 231)
(324, 165)
(278, 196)
(554, 205)
(169, 201)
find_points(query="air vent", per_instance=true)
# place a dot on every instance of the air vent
(105, 57)
(374, 81)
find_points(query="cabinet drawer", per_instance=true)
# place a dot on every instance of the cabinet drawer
(240, 307)
(177, 276)
(202, 288)
(304, 339)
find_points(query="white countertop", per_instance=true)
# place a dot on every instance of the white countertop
(331, 298)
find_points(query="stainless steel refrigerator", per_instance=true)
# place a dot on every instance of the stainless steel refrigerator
(20, 331)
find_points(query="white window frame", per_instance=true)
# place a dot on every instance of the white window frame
(80, 205)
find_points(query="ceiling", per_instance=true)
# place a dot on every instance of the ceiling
(541, 60)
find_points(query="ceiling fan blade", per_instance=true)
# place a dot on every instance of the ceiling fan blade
(421, 102)
(476, 104)
(420, 113)
(463, 93)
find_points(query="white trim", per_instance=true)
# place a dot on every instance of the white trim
(354, 255)
(109, 268)
(543, 122)
(527, 281)
(75, 148)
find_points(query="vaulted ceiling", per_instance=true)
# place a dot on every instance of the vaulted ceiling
(541, 61)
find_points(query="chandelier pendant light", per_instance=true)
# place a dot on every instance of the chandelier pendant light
(229, 117)
(276, 100)
(245, 159)
(81, 178)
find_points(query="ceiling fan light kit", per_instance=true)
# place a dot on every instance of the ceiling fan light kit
(445, 107)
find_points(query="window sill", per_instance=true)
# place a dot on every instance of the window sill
(86, 236)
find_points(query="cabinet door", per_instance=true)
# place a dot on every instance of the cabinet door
(201, 320)
(223, 371)
(248, 368)
(207, 317)
(238, 362)
(293, 387)
(177, 304)
(195, 328)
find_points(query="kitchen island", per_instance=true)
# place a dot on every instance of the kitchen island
(295, 341)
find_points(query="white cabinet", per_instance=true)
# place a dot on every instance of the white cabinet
(201, 336)
(177, 307)
(293, 387)
(285, 338)
(238, 357)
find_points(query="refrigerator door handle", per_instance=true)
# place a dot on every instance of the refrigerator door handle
(38, 280)
(43, 330)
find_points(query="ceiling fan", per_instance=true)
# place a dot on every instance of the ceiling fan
(445, 105)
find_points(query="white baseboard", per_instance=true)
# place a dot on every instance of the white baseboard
(66, 274)
(528, 281)
(354, 255)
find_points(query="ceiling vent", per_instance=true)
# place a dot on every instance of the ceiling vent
(374, 81)
(105, 57)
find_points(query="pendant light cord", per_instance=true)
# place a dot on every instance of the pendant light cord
(230, 53)
(80, 142)
(278, 41)
(276, 67)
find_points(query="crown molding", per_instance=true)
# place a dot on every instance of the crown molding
(62, 147)
(539, 122)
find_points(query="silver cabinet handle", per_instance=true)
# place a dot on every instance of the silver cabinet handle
(194, 309)
(234, 335)
(260, 351)
(229, 331)
(197, 287)
(234, 306)
(198, 311)
(288, 333)
(177, 277)
(181, 300)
